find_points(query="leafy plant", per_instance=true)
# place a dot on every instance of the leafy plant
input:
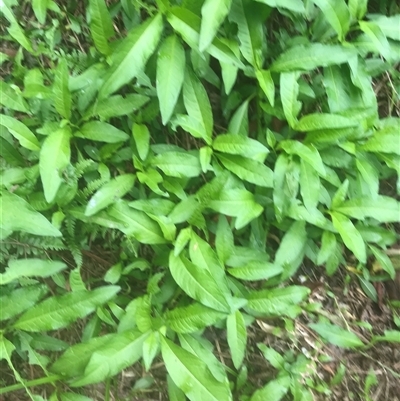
(213, 148)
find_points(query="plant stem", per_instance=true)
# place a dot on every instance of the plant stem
(31, 383)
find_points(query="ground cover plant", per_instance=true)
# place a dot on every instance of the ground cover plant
(176, 176)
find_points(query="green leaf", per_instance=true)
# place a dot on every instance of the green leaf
(195, 317)
(19, 215)
(74, 360)
(198, 106)
(224, 241)
(102, 132)
(62, 95)
(388, 25)
(309, 57)
(54, 158)
(256, 270)
(274, 390)
(289, 91)
(30, 268)
(267, 85)
(177, 164)
(308, 153)
(192, 375)
(20, 299)
(40, 9)
(240, 145)
(112, 357)
(151, 347)
(141, 135)
(328, 247)
(249, 17)
(74, 397)
(130, 57)
(202, 348)
(238, 203)
(384, 209)
(114, 106)
(237, 337)
(358, 8)
(11, 99)
(213, 13)
(239, 123)
(292, 248)
(248, 169)
(350, 235)
(101, 26)
(310, 185)
(272, 356)
(293, 5)
(59, 311)
(383, 261)
(337, 14)
(6, 348)
(109, 193)
(205, 154)
(198, 283)
(137, 223)
(277, 301)
(383, 140)
(378, 39)
(187, 24)
(20, 131)
(174, 393)
(336, 335)
(170, 75)
(320, 121)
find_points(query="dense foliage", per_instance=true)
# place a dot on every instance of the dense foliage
(212, 148)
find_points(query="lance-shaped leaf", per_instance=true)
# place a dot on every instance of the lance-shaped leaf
(292, 248)
(249, 17)
(224, 239)
(240, 145)
(350, 236)
(383, 208)
(130, 57)
(307, 153)
(195, 317)
(277, 301)
(20, 300)
(177, 164)
(256, 270)
(388, 25)
(112, 357)
(198, 105)
(383, 140)
(117, 105)
(102, 132)
(289, 90)
(248, 169)
(274, 390)
(54, 158)
(310, 185)
(309, 57)
(19, 215)
(192, 375)
(320, 121)
(170, 75)
(337, 14)
(237, 337)
(137, 223)
(101, 26)
(203, 349)
(59, 311)
(20, 131)
(74, 360)
(336, 335)
(238, 203)
(30, 268)
(109, 193)
(213, 13)
(40, 9)
(62, 95)
(198, 283)
(11, 99)
(267, 85)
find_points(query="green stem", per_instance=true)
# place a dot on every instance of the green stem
(31, 383)
(107, 392)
